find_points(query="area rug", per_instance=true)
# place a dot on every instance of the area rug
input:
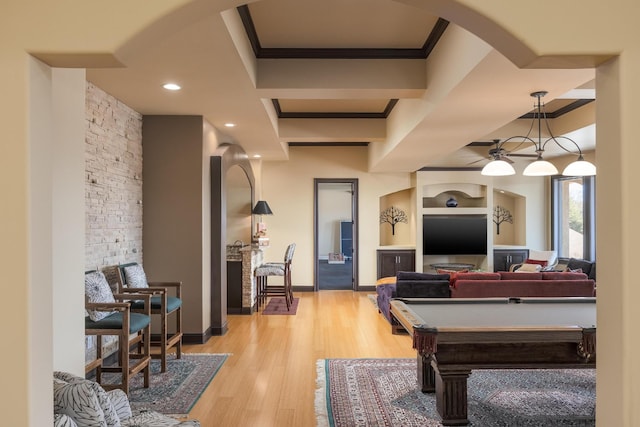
(175, 391)
(374, 300)
(279, 306)
(384, 392)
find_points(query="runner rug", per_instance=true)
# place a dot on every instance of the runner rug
(175, 391)
(384, 392)
(279, 306)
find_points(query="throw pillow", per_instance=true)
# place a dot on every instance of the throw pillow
(529, 268)
(97, 290)
(78, 401)
(386, 280)
(134, 276)
(104, 399)
(542, 263)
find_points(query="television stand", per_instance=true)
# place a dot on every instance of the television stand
(453, 266)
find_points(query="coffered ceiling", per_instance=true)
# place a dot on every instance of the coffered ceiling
(412, 87)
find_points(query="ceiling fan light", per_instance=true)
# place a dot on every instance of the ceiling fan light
(580, 167)
(498, 168)
(540, 168)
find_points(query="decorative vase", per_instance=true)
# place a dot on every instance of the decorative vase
(452, 203)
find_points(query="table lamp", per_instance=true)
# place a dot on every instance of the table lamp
(261, 208)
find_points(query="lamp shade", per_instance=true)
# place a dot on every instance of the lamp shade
(261, 208)
(540, 168)
(498, 168)
(580, 167)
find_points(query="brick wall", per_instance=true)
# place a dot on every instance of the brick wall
(113, 214)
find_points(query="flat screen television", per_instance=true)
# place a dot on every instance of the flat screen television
(454, 234)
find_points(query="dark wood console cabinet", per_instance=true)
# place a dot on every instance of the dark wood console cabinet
(503, 258)
(390, 261)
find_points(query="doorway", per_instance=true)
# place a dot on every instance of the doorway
(336, 234)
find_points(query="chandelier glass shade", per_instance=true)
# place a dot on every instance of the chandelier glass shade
(498, 168)
(540, 167)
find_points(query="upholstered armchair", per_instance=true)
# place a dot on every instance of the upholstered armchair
(79, 402)
(109, 314)
(166, 300)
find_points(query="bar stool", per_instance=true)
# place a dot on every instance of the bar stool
(283, 269)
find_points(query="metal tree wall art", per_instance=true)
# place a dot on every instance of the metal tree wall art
(501, 215)
(393, 216)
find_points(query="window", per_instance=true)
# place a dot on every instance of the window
(573, 216)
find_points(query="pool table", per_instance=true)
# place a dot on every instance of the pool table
(455, 336)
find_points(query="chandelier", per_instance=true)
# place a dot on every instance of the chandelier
(540, 167)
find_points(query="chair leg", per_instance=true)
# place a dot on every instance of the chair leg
(163, 342)
(124, 360)
(147, 354)
(99, 357)
(179, 331)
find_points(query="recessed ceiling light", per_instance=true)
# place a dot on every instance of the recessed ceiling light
(230, 125)
(256, 156)
(171, 86)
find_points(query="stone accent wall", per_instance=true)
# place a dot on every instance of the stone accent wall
(113, 181)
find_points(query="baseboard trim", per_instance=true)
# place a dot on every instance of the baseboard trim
(368, 288)
(197, 338)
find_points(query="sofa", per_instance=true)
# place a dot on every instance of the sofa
(482, 285)
(408, 284)
(522, 284)
(78, 402)
(574, 264)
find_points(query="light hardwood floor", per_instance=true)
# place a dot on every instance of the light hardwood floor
(270, 377)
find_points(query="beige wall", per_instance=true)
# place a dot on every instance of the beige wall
(79, 26)
(292, 203)
(68, 201)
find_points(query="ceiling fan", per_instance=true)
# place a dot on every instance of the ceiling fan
(497, 152)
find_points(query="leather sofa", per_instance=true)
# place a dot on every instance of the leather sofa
(482, 285)
(411, 285)
(514, 284)
(587, 267)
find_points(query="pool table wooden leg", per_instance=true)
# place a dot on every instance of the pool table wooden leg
(426, 374)
(451, 396)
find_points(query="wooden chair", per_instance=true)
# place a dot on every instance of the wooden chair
(132, 329)
(263, 271)
(131, 278)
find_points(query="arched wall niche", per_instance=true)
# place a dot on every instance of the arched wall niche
(226, 157)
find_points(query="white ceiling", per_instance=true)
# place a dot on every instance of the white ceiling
(463, 92)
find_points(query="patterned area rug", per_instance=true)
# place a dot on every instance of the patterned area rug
(384, 392)
(175, 391)
(279, 306)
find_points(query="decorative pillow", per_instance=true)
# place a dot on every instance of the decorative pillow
(528, 268)
(104, 399)
(386, 280)
(134, 276)
(62, 420)
(96, 289)
(453, 275)
(549, 256)
(577, 270)
(542, 263)
(78, 401)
